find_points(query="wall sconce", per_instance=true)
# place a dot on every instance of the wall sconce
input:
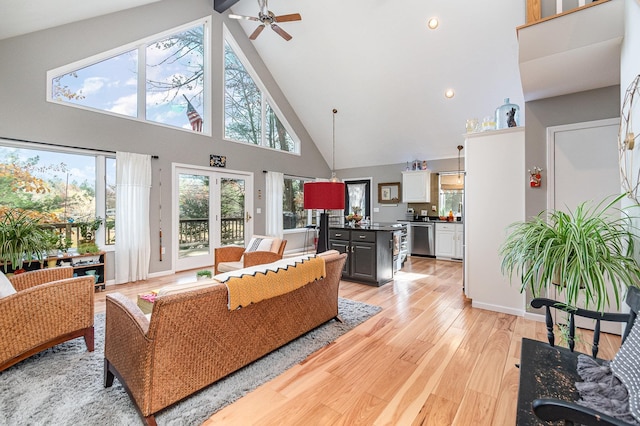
(535, 179)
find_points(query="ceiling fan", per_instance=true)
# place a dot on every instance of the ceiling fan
(268, 18)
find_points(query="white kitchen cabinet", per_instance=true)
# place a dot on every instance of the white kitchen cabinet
(449, 240)
(458, 240)
(416, 186)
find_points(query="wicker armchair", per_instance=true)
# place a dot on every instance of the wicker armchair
(50, 307)
(235, 257)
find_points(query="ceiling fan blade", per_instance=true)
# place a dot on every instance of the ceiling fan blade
(254, 35)
(289, 18)
(248, 18)
(282, 32)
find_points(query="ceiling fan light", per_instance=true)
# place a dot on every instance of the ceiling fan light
(433, 23)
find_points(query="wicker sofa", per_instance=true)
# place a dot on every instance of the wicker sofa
(193, 339)
(51, 307)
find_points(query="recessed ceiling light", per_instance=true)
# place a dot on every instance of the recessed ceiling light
(449, 93)
(433, 23)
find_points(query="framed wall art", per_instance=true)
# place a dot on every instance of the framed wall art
(389, 193)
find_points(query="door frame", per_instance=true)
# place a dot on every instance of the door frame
(214, 212)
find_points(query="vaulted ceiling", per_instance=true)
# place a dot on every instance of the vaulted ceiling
(386, 72)
(373, 60)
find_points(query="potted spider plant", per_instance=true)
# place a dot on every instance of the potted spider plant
(580, 251)
(22, 240)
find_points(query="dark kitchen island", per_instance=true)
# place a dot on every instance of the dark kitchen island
(370, 249)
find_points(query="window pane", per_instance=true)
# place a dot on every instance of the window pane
(232, 208)
(293, 214)
(277, 136)
(193, 231)
(175, 79)
(110, 85)
(242, 101)
(451, 200)
(356, 198)
(55, 187)
(110, 202)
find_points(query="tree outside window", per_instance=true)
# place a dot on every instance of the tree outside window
(248, 116)
(293, 212)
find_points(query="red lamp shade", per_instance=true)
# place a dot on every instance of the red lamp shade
(324, 195)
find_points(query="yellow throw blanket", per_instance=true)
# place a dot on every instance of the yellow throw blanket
(260, 285)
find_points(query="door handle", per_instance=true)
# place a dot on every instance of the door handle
(247, 217)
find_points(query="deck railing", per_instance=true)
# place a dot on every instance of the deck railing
(71, 232)
(192, 232)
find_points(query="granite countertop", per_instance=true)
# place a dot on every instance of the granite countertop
(373, 227)
(430, 220)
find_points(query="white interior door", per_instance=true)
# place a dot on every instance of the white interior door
(211, 209)
(583, 166)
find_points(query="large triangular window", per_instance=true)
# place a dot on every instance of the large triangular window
(250, 115)
(161, 79)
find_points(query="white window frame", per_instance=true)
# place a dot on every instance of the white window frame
(141, 46)
(265, 97)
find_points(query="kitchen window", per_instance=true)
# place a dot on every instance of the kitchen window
(451, 197)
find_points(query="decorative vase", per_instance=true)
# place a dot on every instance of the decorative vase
(507, 115)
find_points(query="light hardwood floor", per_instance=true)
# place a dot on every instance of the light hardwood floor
(427, 358)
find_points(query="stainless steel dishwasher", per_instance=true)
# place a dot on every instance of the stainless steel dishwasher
(423, 241)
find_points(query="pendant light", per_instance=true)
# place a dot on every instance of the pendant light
(460, 147)
(334, 178)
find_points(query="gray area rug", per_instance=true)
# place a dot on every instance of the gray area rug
(63, 385)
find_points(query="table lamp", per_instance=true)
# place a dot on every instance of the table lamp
(324, 196)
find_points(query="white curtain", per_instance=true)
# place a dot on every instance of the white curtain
(274, 191)
(133, 239)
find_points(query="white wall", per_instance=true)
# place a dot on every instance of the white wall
(629, 69)
(494, 190)
(630, 59)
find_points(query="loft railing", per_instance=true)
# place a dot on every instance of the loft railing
(542, 10)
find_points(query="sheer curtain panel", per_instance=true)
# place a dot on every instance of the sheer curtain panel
(133, 240)
(274, 189)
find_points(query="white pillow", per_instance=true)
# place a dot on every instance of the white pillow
(259, 244)
(6, 289)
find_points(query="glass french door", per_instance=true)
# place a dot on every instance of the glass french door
(213, 209)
